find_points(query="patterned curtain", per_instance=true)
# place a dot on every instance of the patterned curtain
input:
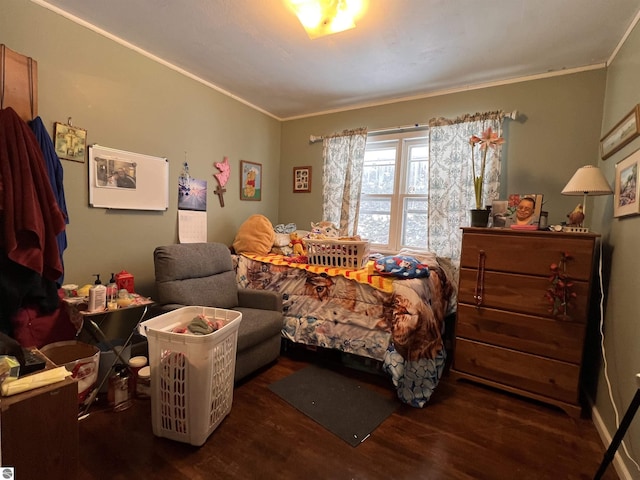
(451, 194)
(342, 177)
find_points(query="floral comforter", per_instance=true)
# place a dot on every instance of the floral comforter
(399, 322)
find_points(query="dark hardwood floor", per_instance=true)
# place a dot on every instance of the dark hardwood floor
(465, 432)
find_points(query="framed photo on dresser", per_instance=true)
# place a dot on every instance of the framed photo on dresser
(523, 210)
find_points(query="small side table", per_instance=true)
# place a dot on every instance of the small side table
(91, 322)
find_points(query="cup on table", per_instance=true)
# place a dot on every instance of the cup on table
(135, 364)
(70, 290)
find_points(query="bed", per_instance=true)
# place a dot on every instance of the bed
(399, 322)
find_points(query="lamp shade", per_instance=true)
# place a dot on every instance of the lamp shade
(587, 180)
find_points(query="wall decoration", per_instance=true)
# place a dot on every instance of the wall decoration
(250, 180)
(626, 192)
(184, 180)
(192, 207)
(222, 178)
(70, 142)
(194, 197)
(301, 179)
(625, 130)
(126, 180)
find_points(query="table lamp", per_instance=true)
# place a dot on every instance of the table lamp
(587, 181)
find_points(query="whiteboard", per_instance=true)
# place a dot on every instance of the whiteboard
(126, 180)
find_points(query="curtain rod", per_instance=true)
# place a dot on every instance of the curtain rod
(318, 138)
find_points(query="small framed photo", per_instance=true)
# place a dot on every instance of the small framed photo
(625, 130)
(250, 180)
(523, 210)
(70, 142)
(625, 201)
(301, 179)
(499, 213)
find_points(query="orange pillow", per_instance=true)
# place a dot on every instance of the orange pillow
(255, 235)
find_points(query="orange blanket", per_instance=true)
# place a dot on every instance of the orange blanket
(365, 275)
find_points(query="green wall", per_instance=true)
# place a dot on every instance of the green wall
(622, 263)
(129, 102)
(556, 132)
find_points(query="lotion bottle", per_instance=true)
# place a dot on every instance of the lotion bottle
(112, 294)
(97, 296)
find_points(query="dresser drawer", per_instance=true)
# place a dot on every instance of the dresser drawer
(528, 254)
(531, 373)
(536, 335)
(519, 293)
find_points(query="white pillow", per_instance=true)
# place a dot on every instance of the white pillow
(281, 240)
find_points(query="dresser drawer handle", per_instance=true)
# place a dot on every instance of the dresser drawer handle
(479, 291)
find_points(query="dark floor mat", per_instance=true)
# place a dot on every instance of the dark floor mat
(340, 404)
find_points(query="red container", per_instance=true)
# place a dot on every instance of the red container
(125, 280)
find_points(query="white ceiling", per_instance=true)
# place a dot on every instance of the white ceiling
(257, 51)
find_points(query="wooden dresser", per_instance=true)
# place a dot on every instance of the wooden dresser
(506, 336)
(39, 431)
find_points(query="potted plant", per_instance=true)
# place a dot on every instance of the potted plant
(488, 140)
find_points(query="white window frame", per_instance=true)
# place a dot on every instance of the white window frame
(402, 141)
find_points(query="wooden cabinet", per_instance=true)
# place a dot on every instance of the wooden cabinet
(506, 336)
(40, 431)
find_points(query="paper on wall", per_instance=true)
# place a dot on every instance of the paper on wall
(192, 226)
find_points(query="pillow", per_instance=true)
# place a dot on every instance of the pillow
(401, 266)
(255, 235)
(282, 228)
(281, 240)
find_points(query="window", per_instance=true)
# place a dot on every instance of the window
(393, 200)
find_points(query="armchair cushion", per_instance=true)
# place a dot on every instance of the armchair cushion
(261, 299)
(256, 326)
(201, 274)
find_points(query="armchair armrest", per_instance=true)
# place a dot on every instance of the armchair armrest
(156, 310)
(261, 299)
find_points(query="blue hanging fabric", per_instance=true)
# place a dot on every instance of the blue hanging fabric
(55, 172)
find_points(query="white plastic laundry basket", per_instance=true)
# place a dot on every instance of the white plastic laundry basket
(191, 375)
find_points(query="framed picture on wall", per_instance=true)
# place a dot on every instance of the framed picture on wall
(70, 142)
(626, 192)
(250, 180)
(301, 179)
(624, 131)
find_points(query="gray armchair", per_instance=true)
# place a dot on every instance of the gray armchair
(202, 274)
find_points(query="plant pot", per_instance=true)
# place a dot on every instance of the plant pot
(480, 217)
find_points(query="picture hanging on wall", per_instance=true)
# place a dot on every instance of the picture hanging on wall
(621, 134)
(70, 142)
(301, 179)
(626, 192)
(194, 196)
(250, 180)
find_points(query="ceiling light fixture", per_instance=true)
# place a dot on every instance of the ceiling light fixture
(325, 17)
